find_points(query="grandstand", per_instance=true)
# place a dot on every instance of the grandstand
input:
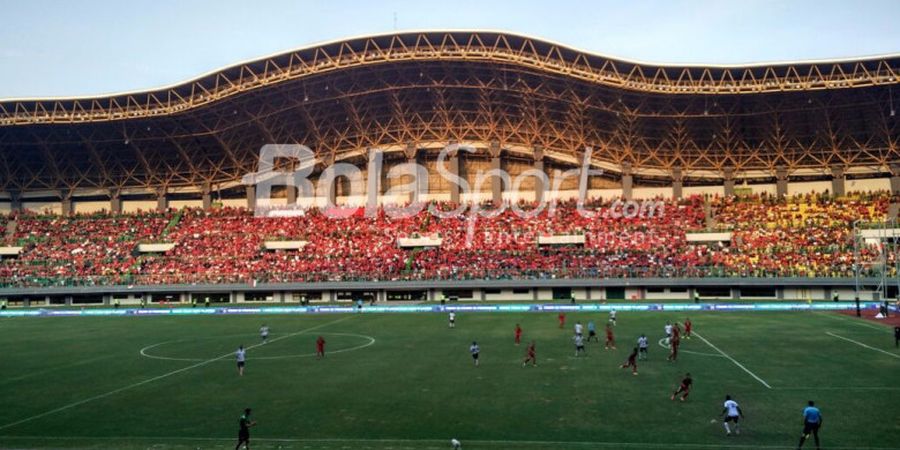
(514, 187)
(763, 174)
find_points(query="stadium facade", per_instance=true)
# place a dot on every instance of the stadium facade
(523, 103)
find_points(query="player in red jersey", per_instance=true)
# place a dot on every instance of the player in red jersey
(610, 339)
(562, 320)
(685, 388)
(320, 347)
(518, 334)
(530, 355)
(687, 328)
(673, 346)
(632, 361)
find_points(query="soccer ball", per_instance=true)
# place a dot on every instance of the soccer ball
(455, 444)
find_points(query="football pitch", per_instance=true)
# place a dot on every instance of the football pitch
(407, 381)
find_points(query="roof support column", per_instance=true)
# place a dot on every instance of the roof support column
(15, 201)
(454, 166)
(838, 181)
(162, 200)
(627, 181)
(115, 201)
(251, 197)
(781, 181)
(677, 183)
(206, 191)
(539, 187)
(65, 199)
(374, 170)
(411, 153)
(728, 175)
(496, 179)
(895, 178)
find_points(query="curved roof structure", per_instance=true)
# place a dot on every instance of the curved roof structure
(425, 89)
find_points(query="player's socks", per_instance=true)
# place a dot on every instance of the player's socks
(727, 428)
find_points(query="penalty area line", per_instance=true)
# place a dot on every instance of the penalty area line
(734, 361)
(862, 345)
(157, 378)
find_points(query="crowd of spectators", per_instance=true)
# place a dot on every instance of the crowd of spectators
(810, 235)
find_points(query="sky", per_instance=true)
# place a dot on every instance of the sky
(92, 47)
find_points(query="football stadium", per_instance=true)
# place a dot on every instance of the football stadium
(456, 239)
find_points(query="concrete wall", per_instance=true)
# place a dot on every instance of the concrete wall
(131, 206)
(873, 184)
(41, 207)
(178, 204)
(90, 207)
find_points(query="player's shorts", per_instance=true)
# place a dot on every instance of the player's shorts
(264, 336)
(643, 349)
(579, 347)
(809, 427)
(474, 355)
(240, 363)
(592, 333)
(243, 436)
(684, 388)
(732, 419)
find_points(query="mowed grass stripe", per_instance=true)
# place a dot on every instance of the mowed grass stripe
(158, 377)
(419, 383)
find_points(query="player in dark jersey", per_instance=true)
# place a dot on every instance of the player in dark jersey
(688, 326)
(320, 347)
(610, 339)
(673, 346)
(632, 361)
(685, 389)
(244, 431)
(530, 355)
(518, 334)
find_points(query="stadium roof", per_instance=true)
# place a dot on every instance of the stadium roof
(431, 87)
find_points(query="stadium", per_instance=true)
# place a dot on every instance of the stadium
(764, 199)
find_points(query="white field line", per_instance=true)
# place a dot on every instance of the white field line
(839, 388)
(661, 344)
(863, 345)
(855, 321)
(370, 341)
(734, 361)
(504, 443)
(156, 378)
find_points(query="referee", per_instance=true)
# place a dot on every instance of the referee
(812, 420)
(244, 431)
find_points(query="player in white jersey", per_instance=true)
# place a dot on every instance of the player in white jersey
(241, 356)
(264, 333)
(668, 329)
(452, 319)
(731, 412)
(474, 349)
(579, 329)
(612, 317)
(579, 344)
(642, 347)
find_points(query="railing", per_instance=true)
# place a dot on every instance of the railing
(435, 275)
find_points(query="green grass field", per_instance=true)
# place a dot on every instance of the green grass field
(406, 381)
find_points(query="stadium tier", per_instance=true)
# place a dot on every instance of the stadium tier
(729, 160)
(805, 236)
